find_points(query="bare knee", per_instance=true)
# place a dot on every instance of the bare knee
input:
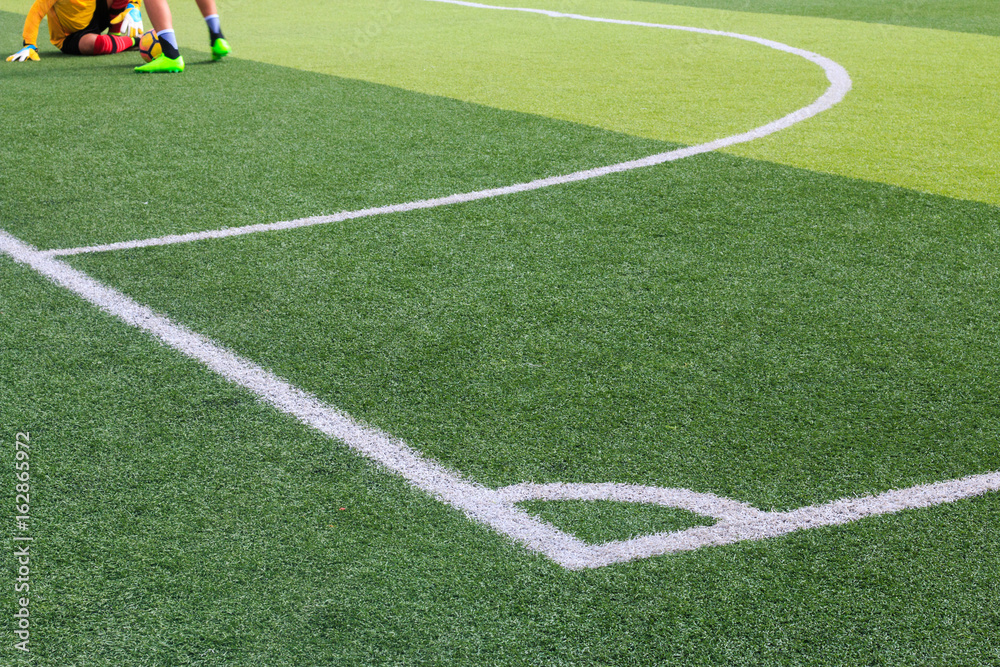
(87, 43)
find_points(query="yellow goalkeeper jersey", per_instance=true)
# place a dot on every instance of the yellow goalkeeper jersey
(65, 18)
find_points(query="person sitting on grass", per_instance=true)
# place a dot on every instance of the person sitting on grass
(76, 27)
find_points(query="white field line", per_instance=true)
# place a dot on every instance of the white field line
(840, 85)
(478, 502)
(496, 508)
(737, 521)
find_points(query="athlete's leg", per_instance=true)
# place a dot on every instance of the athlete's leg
(220, 47)
(90, 41)
(90, 44)
(159, 15)
(207, 7)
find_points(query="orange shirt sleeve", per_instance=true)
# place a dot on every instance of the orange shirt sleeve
(38, 11)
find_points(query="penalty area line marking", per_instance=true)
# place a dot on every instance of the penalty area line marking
(840, 85)
(496, 508)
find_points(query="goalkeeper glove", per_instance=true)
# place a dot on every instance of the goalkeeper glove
(130, 20)
(29, 52)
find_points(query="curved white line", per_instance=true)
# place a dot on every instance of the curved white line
(840, 85)
(763, 525)
(497, 508)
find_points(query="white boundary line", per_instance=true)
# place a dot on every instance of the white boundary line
(840, 85)
(737, 521)
(477, 502)
(496, 508)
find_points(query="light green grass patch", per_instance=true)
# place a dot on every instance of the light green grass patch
(979, 16)
(643, 81)
(921, 115)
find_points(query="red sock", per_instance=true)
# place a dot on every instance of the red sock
(106, 44)
(123, 43)
(103, 45)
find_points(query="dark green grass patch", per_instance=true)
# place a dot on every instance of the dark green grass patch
(94, 153)
(977, 16)
(600, 521)
(178, 522)
(763, 333)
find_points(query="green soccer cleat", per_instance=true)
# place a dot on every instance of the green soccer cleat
(220, 49)
(163, 64)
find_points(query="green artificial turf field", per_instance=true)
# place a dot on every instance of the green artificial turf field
(799, 319)
(982, 16)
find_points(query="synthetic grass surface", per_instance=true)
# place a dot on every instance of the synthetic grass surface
(769, 333)
(920, 115)
(295, 145)
(178, 523)
(981, 16)
(775, 336)
(599, 521)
